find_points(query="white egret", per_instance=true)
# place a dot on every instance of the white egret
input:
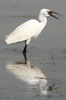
(29, 29)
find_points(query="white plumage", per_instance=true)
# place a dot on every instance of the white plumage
(29, 29)
(21, 33)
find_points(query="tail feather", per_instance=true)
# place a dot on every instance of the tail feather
(13, 39)
(8, 40)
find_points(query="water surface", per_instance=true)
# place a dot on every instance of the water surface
(43, 75)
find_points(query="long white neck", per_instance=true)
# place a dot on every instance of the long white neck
(42, 24)
(43, 20)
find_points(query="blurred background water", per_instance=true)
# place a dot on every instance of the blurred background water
(47, 53)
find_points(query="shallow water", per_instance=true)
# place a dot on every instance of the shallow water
(43, 74)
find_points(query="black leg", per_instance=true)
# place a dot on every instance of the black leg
(25, 57)
(25, 48)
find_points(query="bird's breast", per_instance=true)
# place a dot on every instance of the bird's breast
(39, 29)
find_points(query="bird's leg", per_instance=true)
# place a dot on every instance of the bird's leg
(25, 48)
(25, 57)
(26, 44)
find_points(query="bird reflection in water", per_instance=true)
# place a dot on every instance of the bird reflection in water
(29, 74)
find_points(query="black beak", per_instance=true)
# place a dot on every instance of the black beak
(51, 14)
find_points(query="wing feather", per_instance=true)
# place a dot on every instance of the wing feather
(23, 32)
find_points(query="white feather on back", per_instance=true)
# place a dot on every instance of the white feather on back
(23, 32)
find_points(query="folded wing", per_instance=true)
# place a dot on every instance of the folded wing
(23, 32)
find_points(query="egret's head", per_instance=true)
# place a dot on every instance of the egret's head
(45, 13)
